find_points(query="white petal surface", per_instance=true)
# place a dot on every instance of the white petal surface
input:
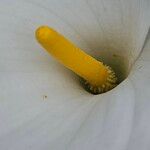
(42, 104)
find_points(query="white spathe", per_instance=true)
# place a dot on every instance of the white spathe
(42, 104)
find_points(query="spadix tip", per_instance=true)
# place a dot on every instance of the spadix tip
(43, 32)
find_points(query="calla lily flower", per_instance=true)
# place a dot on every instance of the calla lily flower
(43, 105)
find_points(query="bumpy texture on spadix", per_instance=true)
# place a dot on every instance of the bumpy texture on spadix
(98, 77)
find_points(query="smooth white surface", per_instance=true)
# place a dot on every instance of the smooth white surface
(70, 118)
